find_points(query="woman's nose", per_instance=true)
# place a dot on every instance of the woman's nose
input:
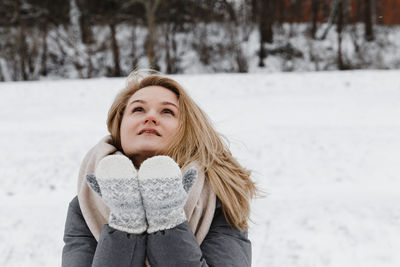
(151, 118)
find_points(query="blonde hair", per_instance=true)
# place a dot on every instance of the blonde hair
(230, 181)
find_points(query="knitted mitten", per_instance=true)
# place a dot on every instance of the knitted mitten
(163, 192)
(117, 184)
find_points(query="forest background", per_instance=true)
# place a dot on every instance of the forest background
(42, 39)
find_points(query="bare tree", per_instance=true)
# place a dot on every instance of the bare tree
(174, 15)
(111, 14)
(43, 70)
(115, 51)
(342, 16)
(369, 33)
(314, 16)
(151, 40)
(266, 18)
(254, 9)
(235, 36)
(331, 19)
(339, 29)
(171, 49)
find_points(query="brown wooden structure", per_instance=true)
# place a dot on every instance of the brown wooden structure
(384, 12)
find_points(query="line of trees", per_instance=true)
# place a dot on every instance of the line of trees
(40, 36)
(334, 12)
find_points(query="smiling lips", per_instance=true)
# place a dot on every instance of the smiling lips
(149, 131)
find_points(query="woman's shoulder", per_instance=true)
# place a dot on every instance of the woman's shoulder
(74, 206)
(221, 222)
(75, 223)
(74, 203)
(219, 218)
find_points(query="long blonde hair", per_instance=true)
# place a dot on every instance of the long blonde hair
(230, 181)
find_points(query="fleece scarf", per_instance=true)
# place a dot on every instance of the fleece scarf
(199, 207)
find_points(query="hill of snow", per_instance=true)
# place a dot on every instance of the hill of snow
(325, 147)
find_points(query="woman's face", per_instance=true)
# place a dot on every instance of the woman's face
(149, 123)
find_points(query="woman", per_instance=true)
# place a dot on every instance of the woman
(134, 207)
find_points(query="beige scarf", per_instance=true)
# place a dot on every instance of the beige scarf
(199, 207)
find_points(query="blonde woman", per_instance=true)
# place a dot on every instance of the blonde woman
(162, 190)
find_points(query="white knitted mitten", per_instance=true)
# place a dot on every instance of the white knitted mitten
(163, 192)
(117, 184)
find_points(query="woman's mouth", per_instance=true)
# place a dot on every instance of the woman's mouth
(149, 131)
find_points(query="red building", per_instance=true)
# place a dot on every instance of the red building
(386, 12)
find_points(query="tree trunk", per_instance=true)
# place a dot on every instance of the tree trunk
(262, 54)
(86, 32)
(280, 12)
(314, 15)
(43, 71)
(359, 11)
(298, 10)
(134, 55)
(75, 22)
(90, 68)
(115, 51)
(151, 8)
(254, 10)
(339, 33)
(21, 42)
(22, 50)
(369, 33)
(32, 55)
(265, 22)
(168, 62)
(234, 34)
(331, 19)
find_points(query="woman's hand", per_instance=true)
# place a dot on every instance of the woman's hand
(163, 191)
(117, 183)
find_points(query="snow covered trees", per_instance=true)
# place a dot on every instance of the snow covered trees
(91, 38)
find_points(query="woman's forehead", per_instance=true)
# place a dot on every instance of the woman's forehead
(154, 94)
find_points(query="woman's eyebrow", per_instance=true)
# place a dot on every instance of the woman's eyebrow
(169, 103)
(137, 101)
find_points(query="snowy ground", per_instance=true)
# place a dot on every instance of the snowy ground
(324, 146)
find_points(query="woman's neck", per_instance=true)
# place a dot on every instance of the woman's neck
(139, 158)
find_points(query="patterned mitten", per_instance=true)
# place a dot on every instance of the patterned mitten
(163, 192)
(117, 184)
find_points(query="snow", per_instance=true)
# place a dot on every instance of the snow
(324, 147)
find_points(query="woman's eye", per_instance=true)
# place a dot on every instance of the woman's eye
(168, 111)
(137, 109)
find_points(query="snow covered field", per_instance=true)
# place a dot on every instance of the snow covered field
(324, 146)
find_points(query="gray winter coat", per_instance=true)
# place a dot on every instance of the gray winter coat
(224, 245)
